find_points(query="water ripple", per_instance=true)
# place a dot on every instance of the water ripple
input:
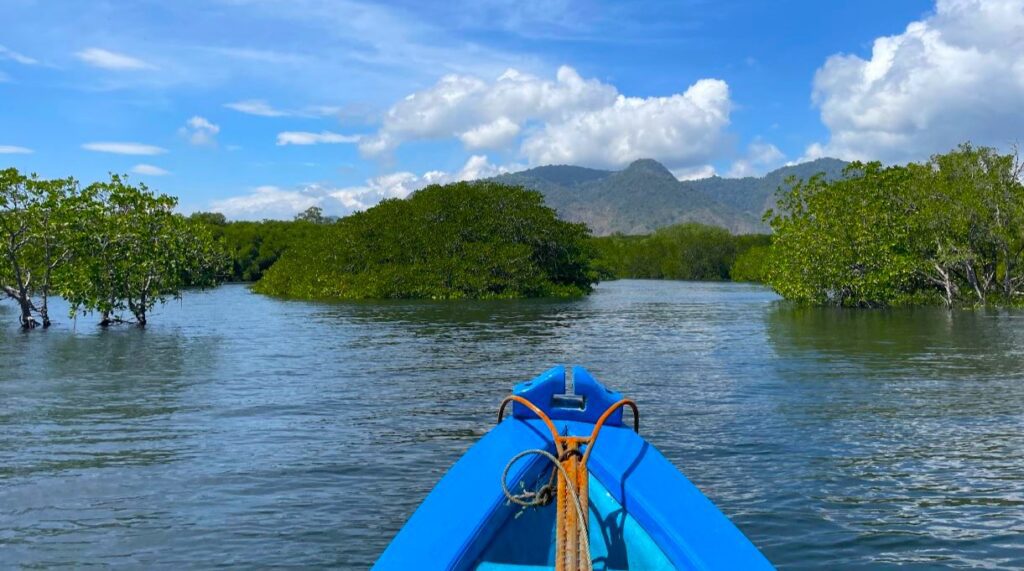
(245, 431)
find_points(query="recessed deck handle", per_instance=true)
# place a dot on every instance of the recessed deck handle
(577, 402)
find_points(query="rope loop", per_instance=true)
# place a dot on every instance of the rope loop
(537, 411)
(600, 424)
(570, 461)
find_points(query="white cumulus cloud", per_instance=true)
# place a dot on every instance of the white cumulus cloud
(200, 131)
(956, 75)
(694, 173)
(760, 157)
(307, 138)
(123, 148)
(481, 112)
(681, 130)
(402, 184)
(494, 135)
(566, 120)
(275, 202)
(105, 59)
(149, 170)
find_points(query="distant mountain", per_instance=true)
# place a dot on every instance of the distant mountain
(646, 196)
(754, 195)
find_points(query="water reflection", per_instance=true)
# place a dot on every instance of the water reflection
(96, 401)
(908, 443)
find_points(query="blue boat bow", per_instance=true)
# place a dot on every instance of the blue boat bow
(643, 512)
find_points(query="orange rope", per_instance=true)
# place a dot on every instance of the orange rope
(572, 550)
(601, 420)
(540, 414)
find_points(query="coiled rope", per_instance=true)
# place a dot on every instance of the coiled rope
(539, 499)
(572, 537)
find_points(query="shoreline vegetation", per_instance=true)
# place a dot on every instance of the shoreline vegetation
(687, 251)
(949, 231)
(110, 248)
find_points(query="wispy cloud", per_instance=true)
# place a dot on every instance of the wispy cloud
(378, 39)
(380, 52)
(263, 109)
(123, 148)
(256, 107)
(105, 59)
(307, 138)
(14, 150)
(260, 56)
(149, 170)
(7, 53)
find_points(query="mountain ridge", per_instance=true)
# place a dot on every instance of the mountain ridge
(646, 196)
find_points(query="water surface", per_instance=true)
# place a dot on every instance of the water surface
(248, 431)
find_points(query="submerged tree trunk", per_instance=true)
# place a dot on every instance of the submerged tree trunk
(945, 281)
(27, 320)
(106, 320)
(139, 310)
(44, 292)
(1007, 275)
(972, 278)
(44, 309)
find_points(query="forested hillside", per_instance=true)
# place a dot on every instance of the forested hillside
(646, 196)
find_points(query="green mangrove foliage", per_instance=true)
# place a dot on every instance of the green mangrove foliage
(39, 222)
(252, 247)
(947, 231)
(463, 240)
(111, 248)
(689, 251)
(751, 264)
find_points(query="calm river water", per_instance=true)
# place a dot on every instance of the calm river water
(247, 431)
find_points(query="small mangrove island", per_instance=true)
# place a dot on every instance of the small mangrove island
(479, 240)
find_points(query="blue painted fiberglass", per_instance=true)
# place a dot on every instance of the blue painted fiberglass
(644, 514)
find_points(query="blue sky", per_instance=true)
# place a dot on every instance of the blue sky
(260, 108)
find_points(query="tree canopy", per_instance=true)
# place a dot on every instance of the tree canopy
(463, 240)
(252, 248)
(948, 231)
(136, 252)
(689, 251)
(111, 247)
(39, 221)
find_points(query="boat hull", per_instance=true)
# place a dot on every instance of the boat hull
(644, 513)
